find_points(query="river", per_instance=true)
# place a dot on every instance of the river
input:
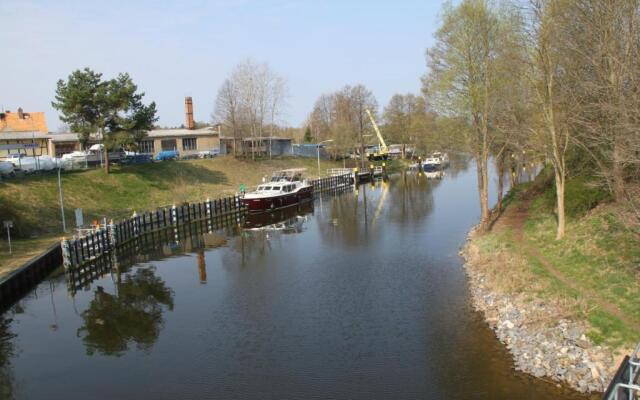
(361, 295)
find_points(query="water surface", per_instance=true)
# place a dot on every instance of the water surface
(361, 295)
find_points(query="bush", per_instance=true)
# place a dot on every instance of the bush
(581, 195)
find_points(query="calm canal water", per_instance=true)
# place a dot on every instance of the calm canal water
(361, 295)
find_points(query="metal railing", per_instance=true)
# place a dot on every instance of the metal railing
(626, 383)
(79, 250)
(339, 171)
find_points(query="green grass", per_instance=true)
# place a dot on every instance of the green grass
(599, 254)
(602, 262)
(32, 203)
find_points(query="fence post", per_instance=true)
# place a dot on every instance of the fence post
(112, 232)
(66, 254)
(174, 215)
(134, 221)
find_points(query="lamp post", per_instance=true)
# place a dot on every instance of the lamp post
(318, 147)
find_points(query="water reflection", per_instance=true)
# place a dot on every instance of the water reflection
(361, 297)
(413, 198)
(260, 231)
(155, 246)
(133, 315)
(6, 353)
(288, 220)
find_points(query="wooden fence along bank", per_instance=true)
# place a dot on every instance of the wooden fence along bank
(78, 251)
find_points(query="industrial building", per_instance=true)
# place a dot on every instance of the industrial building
(31, 129)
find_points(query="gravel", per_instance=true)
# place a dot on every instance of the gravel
(556, 349)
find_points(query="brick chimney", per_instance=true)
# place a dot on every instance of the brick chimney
(188, 108)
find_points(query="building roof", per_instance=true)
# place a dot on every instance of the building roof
(158, 133)
(22, 135)
(21, 121)
(63, 137)
(248, 139)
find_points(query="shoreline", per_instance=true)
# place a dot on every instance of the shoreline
(543, 339)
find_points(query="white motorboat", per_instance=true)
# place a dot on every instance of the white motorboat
(80, 156)
(286, 188)
(6, 168)
(436, 161)
(444, 158)
(431, 164)
(30, 164)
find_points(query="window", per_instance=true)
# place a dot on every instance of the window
(146, 146)
(267, 188)
(169, 144)
(276, 188)
(189, 144)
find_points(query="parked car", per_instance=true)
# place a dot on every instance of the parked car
(167, 155)
(209, 153)
(6, 168)
(189, 156)
(137, 158)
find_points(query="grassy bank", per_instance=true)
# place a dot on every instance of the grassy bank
(591, 275)
(32, 203)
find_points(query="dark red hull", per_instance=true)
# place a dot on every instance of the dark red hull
(280, 201)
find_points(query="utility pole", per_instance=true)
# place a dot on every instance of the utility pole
(9, 225)
(60, 193)
(318, 147)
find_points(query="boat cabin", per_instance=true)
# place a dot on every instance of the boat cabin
(273, 187)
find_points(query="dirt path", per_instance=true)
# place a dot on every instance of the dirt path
(514, 218)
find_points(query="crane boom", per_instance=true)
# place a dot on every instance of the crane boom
(383, 145)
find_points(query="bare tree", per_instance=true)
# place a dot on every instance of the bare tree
(552, 97)
(251, 96)
(400, 117)
(341, 116)
(603, 39)
(227, 109)
(466, 76)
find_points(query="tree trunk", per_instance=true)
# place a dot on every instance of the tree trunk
(501, 171)
(559, 175)
(235, 142)
(483, 192)
(106, 152)
(106, 160)
(513, 173)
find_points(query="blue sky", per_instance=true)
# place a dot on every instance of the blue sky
(175, 49)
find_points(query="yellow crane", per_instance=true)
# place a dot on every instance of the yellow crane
(383, 151)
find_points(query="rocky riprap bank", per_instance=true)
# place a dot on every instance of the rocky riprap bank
(550, 348)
